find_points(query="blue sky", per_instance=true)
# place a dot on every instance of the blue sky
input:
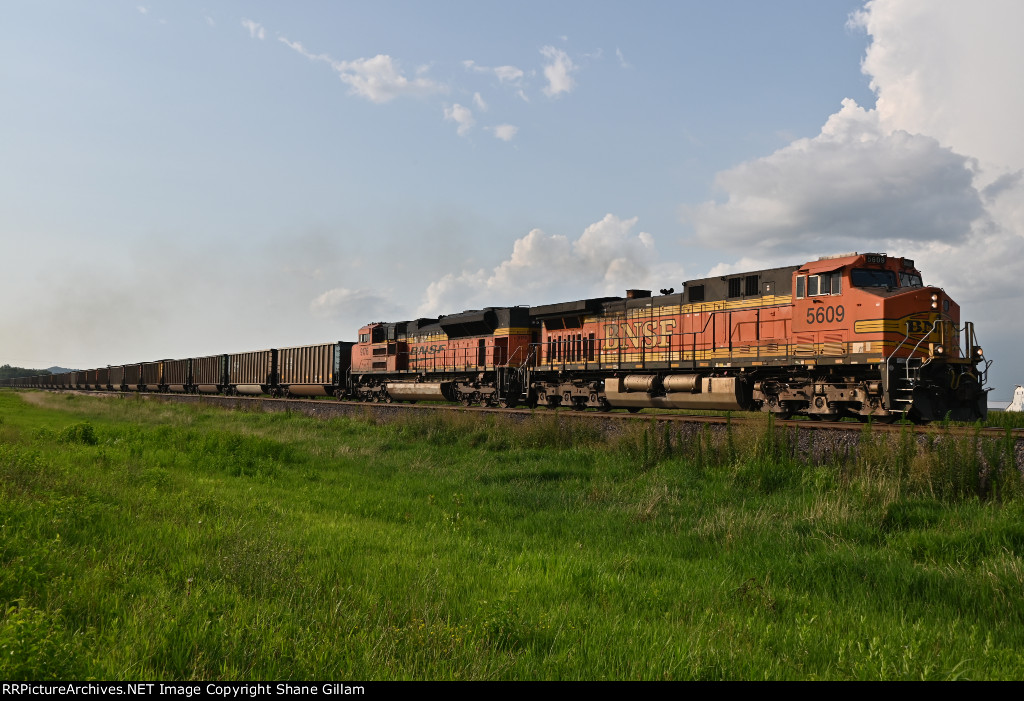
(212, 177)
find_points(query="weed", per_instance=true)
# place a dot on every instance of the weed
(35, 646)
(81, 432)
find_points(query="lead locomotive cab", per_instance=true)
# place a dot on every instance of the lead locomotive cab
(903, 343)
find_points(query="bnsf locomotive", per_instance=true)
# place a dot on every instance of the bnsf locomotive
(853, 335)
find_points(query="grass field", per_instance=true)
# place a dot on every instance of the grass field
(143, 540)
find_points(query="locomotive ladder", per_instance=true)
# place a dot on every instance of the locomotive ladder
(513, 382)
(903, 383)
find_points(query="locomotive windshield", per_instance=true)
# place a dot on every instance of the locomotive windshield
(868, 277)
(910, 280)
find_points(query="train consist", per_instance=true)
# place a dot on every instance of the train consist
(853, 335)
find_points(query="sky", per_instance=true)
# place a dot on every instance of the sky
(186, 178)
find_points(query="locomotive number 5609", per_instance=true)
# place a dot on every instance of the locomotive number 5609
(826, 315)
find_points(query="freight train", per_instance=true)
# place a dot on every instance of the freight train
(855, 335)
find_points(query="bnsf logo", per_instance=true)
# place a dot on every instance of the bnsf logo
(650, 334)
(918, 326)
(426, 350)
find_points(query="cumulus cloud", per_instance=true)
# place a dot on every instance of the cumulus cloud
(256, 30)
(509, 74)
(478, 102)
(943, 68)
(461, 116)
(558, 72)
(341, 302)
(505, 132)
(605, 260)
(940, 68)
(378, 79)
(853, 185)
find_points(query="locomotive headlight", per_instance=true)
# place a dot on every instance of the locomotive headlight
(935, 298)
(940, 349)
(978, 352)
(935, 305)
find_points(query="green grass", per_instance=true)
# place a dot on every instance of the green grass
(143, 540)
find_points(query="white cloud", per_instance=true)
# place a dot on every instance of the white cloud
(605, 260)
(209, 20)
(509, 74)
(461, 116)
(943, 69)
(142, 9)
(341, 302)
(853, 185)
(504, 74)
(378, 79)
(256, 30)
(947, 69)
(505, 132)
(558, 72)
(622, 59)
(479, 103)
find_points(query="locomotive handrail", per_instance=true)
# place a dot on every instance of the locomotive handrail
(906, 336)
(693, 334)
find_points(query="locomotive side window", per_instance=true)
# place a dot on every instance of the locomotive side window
(867, 277)
(837, 283)
(801, 287)
(364, 338)
(827, 284)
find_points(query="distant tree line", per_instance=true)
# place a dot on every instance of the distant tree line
(7, 372)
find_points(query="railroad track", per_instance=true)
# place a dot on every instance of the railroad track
(332, 407)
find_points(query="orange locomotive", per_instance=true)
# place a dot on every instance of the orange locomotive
(480, 356)
(856, 335)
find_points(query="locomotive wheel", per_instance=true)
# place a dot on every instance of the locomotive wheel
(634, 409)
(917, 419)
